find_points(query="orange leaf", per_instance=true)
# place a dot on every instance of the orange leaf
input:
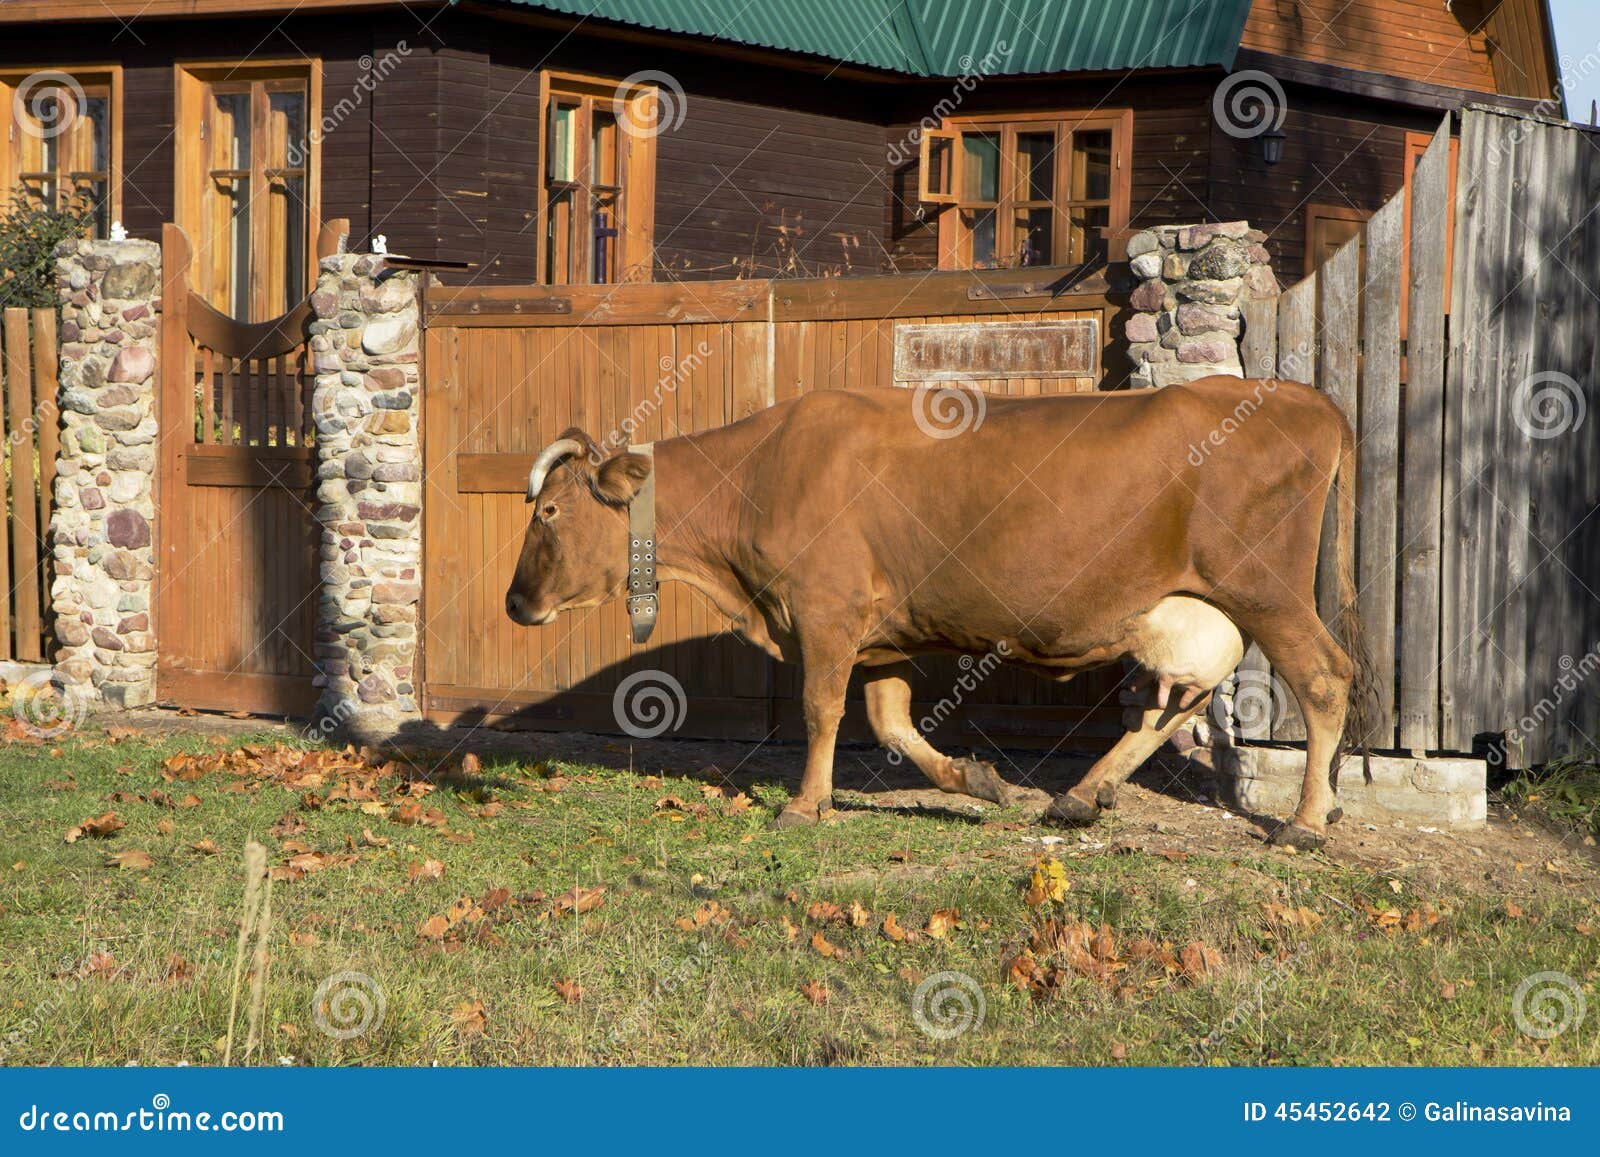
(569, 990)
(815, 992)
(1198, 959)
(942, 920)
(820, 943)
(98, 827)
(469, 1018)
(133, 859)
(581, 899)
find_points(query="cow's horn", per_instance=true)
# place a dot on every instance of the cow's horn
(547, 460)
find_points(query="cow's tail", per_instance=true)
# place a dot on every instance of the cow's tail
(1346, 626)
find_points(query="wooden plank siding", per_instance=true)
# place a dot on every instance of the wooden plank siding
(1425, 40)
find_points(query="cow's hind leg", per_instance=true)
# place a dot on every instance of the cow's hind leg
(1098, 789)
(1184, 647)
(888, 691)
(1320, 675)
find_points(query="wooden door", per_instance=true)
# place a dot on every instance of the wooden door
(238, 552)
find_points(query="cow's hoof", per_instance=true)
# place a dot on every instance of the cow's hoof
(980, 780)
(1106, 797)
(795, 817)
(1070, 811)
(1336, 815)
(1293, 835)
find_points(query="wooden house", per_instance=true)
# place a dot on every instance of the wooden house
(811, 138)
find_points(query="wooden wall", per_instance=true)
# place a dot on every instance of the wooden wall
(1424, 40)
(766, 176)
(1334, 153)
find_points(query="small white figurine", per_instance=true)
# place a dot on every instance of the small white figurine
(380, 244)
(118, 233)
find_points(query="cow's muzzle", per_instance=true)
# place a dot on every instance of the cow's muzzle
(521, 611)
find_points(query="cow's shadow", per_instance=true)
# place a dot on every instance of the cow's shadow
(623, 719)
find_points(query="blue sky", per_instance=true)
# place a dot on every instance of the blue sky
(1578, 50)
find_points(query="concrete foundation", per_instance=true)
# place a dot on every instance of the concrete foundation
(1448, 793)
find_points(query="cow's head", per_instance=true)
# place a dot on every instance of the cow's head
(575, 553)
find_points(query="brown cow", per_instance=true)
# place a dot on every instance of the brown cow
(845, 529)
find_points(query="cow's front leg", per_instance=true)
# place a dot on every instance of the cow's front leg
(826, 677)
(888, 692)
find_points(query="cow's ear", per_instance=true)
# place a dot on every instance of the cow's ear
(619, 478)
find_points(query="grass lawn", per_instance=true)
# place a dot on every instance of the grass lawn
(469, 897)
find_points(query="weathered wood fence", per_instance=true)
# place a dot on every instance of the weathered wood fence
(1461, 338)
(28, 342)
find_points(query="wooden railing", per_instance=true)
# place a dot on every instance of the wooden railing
(28, 338)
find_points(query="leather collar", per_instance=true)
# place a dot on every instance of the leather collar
(644, 606)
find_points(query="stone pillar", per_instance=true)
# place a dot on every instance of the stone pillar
(1192, 281)
(367, 405)
(101, 529)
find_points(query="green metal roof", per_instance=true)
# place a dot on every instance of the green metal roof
(952, 37)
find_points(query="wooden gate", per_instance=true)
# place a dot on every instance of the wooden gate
(28, 342)
(507, 369)
(1460, 335)
(237, 573)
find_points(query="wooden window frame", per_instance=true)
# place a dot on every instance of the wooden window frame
(636, 165)
(954, 239)
(90, 76)
(192, 80)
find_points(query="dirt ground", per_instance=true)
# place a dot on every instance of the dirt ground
(1169, 806)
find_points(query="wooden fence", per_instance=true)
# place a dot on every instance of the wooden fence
(1461, 339)
(506, 369)
(28, 342)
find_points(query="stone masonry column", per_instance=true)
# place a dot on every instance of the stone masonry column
(365, 344)
(103, 561)
(1192, 282)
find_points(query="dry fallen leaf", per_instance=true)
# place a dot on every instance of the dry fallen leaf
(205, 847)
(815, 992)
(433, 928)
(581, 900)
(891, 929)
(99, 827)
(942, 920)
(821, 944)
(569, 990)
(859, 916)
(469, 1018)
(1198, 959)
(427, 870)
(133, 858)
(1049, 883)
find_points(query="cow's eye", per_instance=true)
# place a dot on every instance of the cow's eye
(549, 511)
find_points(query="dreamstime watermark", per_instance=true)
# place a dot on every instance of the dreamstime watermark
(973, 674)
(1200, 451)
(1574, 674)
(1250, 702)
(348, 1004)
(1276, 972)
(1548, 1004)
(48, 706)
(373, 73)
(948, 1004)
(909, 146)
(674, 372)
(1249, 104)
(947, 411)
(649, 703)
(677, 973)
(1548, 404)
(667, 106)
(46, 103)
